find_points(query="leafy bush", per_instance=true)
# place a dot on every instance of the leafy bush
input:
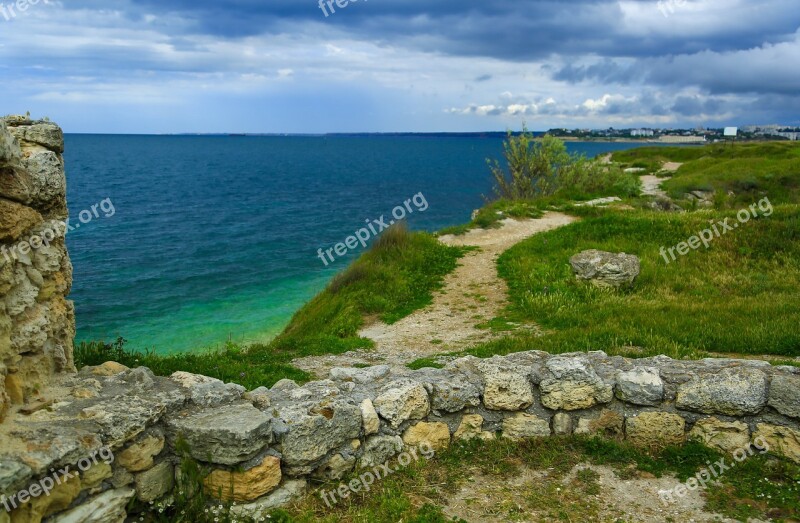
(540, 168)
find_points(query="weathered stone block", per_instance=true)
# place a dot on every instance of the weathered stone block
(655, 429)
(205, 391)
(260, 510)
(104, 508)
(732, 391)
(505, 388)
(314, 432)
(369, 418)
(727, 436)
(38, 508)
(562, 424)
(572, 384)
(154, 483)
(522, 426)
(245, 486)
(784, 395)
(403, 403)
(139, 456)
(640, 386)
(471, 427)
(225, 435)
(434, 435)
(379, 450)
(781, 440)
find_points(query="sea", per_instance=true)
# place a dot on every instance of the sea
(182, 243)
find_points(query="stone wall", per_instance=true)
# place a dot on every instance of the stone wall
(37, 325)
(268, 443)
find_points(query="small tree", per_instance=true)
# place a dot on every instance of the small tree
(535, 167)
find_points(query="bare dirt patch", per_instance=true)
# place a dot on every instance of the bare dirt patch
(587, 493)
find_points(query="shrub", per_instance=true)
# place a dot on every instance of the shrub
(540, 168)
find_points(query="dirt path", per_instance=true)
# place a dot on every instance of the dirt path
(472, 294)
(651, 185)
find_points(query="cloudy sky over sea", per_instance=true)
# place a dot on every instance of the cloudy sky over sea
(154, 66)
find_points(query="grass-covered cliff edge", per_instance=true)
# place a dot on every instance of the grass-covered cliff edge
(737, 296)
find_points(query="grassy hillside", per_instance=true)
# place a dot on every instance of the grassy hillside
(740, 295)
(750, 171)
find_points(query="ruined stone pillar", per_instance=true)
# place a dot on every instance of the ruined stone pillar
(37, 322)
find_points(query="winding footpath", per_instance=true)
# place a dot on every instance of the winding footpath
(471, 295)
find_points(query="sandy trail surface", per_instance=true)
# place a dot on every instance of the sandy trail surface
(471, 295)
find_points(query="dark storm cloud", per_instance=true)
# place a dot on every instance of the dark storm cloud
(505, 29)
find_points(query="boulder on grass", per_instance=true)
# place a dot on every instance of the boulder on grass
(606, 269)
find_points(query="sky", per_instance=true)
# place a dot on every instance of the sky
(289, 66)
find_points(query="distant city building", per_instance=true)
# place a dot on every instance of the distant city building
(763, 129)
(642, 132)
(794, 136)
(682, 139)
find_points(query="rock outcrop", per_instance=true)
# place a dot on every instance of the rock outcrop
(37, 324)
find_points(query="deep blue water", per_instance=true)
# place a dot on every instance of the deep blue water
(217, 237)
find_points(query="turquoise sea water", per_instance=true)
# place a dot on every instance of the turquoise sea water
(216, 237)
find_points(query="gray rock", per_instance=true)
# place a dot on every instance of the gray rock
(506, 387)
(336, 467)
(129, 403)
(10, 153)
(367, 375)
(225, 435)
(207, 392)
(572, 384)
(108, 507)
(121, 477)
(455, 394)
(13, 475)
(640, 386)
(314, 432)
(260, 509)
(46, 134)
(562, 424)
(156, 482)
(784, 395)
(260, 398)
(403, 402)
(733, 391)
(285, 385)
(379, 450)
(606, 269)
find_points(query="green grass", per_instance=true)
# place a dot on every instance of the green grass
(490, 216)
(420, 491)
(397, 276)
(390, 281)
(739, 296)
(750, 171)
